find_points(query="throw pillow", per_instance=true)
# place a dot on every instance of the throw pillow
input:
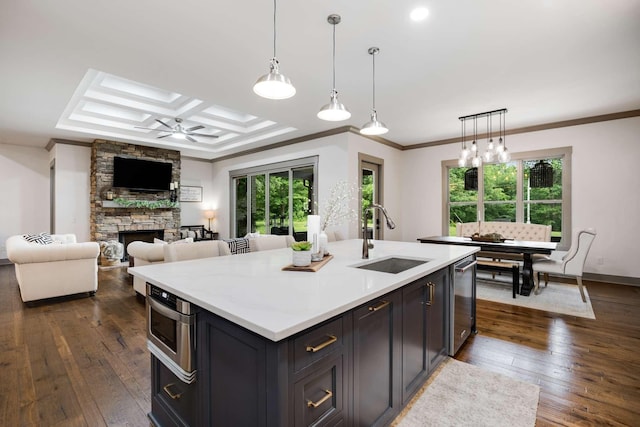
(41, 239)
(238, 246)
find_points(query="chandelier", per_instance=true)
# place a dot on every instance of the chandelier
(471, 156)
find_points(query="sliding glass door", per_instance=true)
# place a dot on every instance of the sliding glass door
(274, 199)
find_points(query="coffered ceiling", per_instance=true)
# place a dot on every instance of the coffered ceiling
(87, 69)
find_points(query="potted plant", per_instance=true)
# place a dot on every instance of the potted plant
(301, 254)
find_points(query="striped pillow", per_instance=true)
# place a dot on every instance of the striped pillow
(41, 239)
(238, 246)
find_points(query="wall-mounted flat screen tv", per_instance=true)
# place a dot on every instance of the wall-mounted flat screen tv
(142, 175)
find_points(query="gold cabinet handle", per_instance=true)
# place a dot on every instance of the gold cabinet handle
(326, 397)
(378, 306)
(431, 287)
(331, 340)
(174, 396)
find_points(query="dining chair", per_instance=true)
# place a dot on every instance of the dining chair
(568, 264)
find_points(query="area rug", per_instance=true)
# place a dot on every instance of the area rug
(557, 297)
(466, 395)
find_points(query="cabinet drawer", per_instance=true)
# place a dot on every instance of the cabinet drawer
(319, 396)
(318, 343)
(171, 397)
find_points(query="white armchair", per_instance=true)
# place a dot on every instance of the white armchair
(64, 267)
(569, 263)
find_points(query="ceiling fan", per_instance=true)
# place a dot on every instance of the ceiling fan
(179, 130)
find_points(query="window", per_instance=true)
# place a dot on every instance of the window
(504, 192)
(274, 199)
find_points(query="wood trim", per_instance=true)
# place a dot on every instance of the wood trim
(536, 128)
(53, 141)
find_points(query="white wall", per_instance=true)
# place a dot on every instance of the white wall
(197, 173)
(72, 190)
(24, 174)
(605, 188)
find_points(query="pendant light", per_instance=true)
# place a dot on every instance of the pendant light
(490, 152)
(374, 126)
(493, 152)
(476, 161)
(503, 153)
(464, 153)
(274, 85)
(334, 111)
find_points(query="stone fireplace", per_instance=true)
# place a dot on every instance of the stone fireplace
(110, 220)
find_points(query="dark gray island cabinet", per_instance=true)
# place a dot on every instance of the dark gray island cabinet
(357, 369)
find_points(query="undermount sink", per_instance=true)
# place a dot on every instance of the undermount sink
(392, 265)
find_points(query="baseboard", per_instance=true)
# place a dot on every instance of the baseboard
(608, 278)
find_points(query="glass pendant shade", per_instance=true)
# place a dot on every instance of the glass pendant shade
(334, 111)
(274, 85)
(490, 153)
(505, 156)
(374, 126)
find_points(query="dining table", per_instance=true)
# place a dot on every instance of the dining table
(525, 247)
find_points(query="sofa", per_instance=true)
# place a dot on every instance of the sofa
(145, 253)
(55, 265)
(196, 232)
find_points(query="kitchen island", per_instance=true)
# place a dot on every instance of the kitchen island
(343, 345)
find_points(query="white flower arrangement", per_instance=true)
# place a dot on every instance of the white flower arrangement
(337, 209)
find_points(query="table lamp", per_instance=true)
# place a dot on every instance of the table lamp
(210, 214)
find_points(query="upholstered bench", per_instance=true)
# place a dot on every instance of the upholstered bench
(508, 230)
(507, 267)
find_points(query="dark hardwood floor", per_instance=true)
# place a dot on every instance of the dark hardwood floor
(588, 370)
(83, 361)
(74, 362)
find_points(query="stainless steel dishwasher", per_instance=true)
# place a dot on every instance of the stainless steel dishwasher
(463, 302)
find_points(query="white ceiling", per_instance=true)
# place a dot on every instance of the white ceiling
(544, 60)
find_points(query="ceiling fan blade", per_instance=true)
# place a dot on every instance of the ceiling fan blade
(163, 124)
(190, 139)
(164, 136)
(204, 135)
(194, 128)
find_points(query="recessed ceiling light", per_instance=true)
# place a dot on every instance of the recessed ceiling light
(419, 14)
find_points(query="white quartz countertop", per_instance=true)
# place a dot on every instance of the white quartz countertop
(252, 291)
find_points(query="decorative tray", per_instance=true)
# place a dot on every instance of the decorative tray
(488, 239)
(313, 267)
